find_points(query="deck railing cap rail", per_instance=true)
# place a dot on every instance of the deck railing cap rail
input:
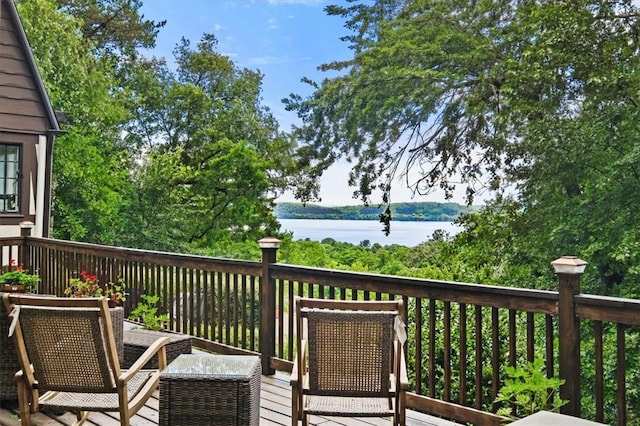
(131, 254)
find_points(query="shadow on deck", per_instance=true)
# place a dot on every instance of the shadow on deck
(275, 409)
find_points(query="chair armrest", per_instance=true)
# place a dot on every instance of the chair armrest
(293, 379)
(404, 379)
(157, 346)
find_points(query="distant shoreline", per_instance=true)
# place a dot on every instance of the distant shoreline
(401, 212)
(402, 219)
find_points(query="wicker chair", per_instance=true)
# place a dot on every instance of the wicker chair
(69, 361)
(348, 361)
(8, 359)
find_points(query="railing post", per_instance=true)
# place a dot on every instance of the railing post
(269, 247)
(24, 255)
(569, 269)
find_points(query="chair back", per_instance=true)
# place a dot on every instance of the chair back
(71, 347)
(349, 346)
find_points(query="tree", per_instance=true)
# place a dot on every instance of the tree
(532, 100)
(90, 165)
(454, 88)
(153, 158)
(113, 26)
(213, 157)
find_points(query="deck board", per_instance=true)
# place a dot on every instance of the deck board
(275, 409)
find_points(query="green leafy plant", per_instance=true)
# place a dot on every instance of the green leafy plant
(528, 390)
(87, 285)
(16, 274)
(146, 312)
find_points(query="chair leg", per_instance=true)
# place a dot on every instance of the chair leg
(125, 421)
(401, 410)
(81, 417)
(23, 404)
(294, 407)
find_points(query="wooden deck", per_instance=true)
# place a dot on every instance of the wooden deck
(275, 409)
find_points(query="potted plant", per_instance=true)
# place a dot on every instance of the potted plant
(16, 278)
(137, 340)
(146, 312)
(87, 285)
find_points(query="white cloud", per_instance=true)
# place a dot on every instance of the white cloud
(272, 24)
(230, 54)
(267, 60)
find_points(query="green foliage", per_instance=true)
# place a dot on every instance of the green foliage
(113, 26)
(503, 100)
(16, 274)
(528, 390)
(90, 166)
(153, 158)
(146, 312)
(423, 88)
(214, 156)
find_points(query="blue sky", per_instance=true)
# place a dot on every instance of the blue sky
(285, 40)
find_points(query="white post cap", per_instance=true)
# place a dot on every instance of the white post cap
(569, 265)
(269, 242)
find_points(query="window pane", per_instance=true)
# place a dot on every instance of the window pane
(9, 177)
(13, 153)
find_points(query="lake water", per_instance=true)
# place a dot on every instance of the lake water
(354, 231)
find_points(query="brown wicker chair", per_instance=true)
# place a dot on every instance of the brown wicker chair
(348, 361)
(69, 361)
(8, 359)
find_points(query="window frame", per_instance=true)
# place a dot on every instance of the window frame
(17, 194)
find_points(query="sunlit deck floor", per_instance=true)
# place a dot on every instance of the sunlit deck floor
(275, 409)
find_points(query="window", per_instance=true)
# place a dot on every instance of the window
(9, 177)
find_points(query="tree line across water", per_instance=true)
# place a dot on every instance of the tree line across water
(420, 211)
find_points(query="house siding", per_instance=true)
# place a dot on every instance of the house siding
(20, 102)
(26, 118)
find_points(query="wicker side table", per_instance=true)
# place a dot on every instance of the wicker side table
(137, 340)
(210, 390)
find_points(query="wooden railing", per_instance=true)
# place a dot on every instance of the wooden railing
(460, 335)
